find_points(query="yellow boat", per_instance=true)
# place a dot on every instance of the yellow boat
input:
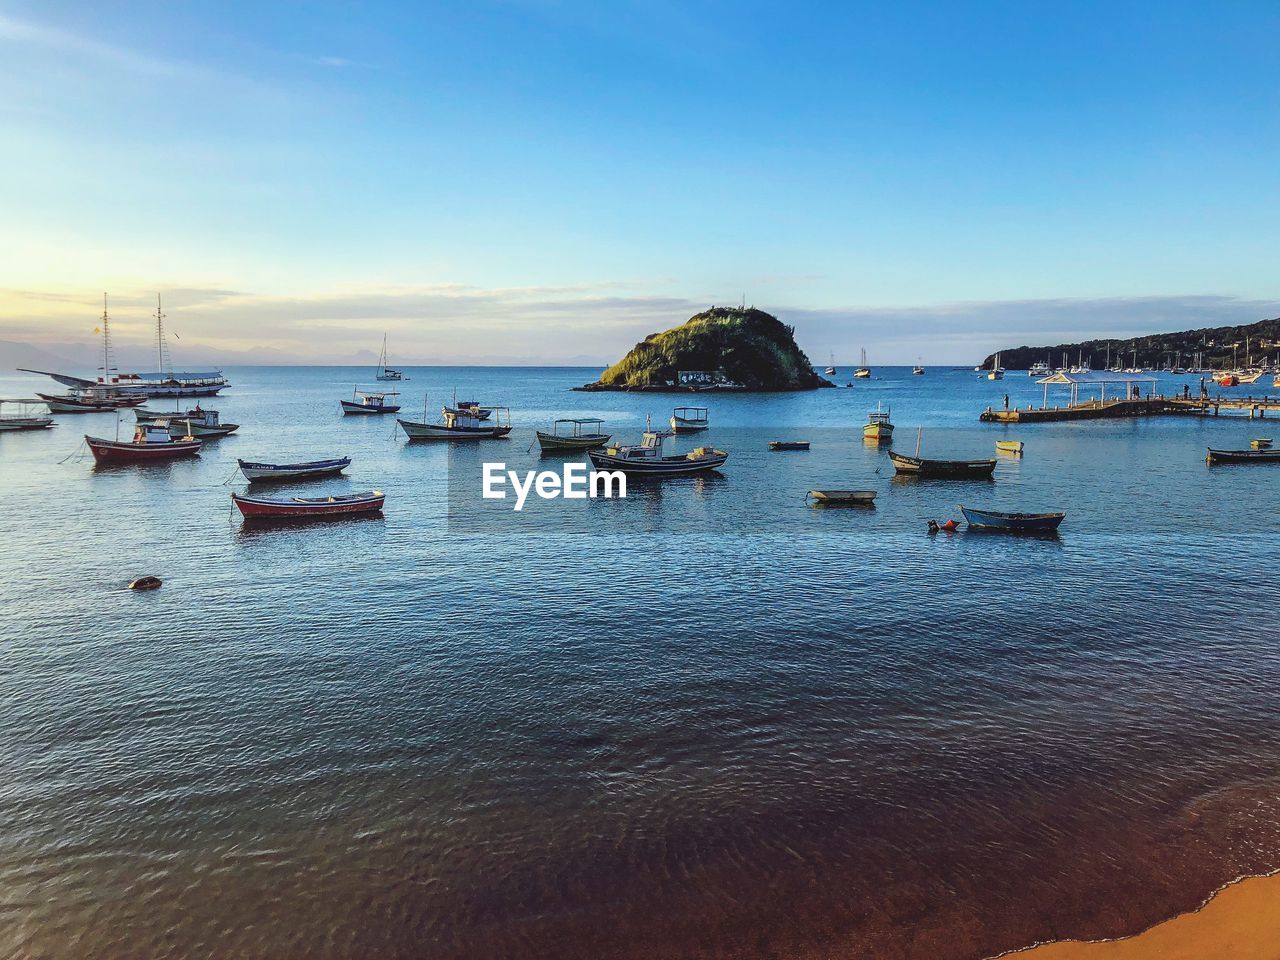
(1009, 446)
(878, 426)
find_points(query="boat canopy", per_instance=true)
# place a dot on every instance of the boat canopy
(580, 420)
(160, 377)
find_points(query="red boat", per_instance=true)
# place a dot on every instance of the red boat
(150, 442)
(294, 508)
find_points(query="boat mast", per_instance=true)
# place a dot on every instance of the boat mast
(919, 431)
(106, 341)
(162, 354)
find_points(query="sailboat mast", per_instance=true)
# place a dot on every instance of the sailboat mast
(159, 337)
(106, 340)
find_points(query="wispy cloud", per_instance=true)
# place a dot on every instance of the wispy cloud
(592, 323)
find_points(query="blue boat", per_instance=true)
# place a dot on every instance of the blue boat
(1012, 522)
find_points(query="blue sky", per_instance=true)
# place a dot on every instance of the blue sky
(554, 180)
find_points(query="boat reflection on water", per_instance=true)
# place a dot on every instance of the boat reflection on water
(255, 528)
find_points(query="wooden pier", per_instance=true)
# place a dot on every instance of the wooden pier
(1137, 407)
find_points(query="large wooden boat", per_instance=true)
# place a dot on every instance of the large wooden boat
(151, 441)
(573, 433)
(262, 472)
(689, 420)
(647, 458)
(309, 508)
(878, 426)
(1243, 456)
(28, 414)
(89, 400)
(459, 426)
(1012, 522)
(364, 403)
(863, 372)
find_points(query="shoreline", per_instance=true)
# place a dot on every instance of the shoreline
(1240, 920)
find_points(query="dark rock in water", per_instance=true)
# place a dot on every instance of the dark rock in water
(718, 350)
(145, 583)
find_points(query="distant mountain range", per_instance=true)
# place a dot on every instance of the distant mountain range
(1219, 348)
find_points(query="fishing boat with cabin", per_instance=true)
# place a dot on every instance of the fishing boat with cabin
(365, 403)
(878, 426)
(309, 508)
(151, 441)
(647, 458)
(198, 422)
(1012, 522)
(267, 472)
(27, 414)
(941, 469)
(458, 426)
(573, 433)
(689, 420)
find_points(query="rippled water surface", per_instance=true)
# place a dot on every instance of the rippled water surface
(705, 721)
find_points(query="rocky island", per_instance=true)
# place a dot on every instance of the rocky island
(721, 349)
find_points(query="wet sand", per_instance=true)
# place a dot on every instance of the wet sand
(1240, 922)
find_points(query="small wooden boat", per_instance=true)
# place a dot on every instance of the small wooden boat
(369, 404)
(1260, 443)
(459, 426)
(309, 508)
(1012, 522)
(573, 433)
(201, 423)
(647, 459)
(1243, 456)
(689, 420)
(878, 426)
(1009, 446)
(28, 415)
(862, 498)
(942, 469)
(145, 583)
(261, 472)
(151, 441)
(788, 444)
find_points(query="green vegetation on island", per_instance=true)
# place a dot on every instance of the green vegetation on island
(724, 348)
(1208, 347)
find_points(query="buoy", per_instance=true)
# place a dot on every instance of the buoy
(144, 583)
(950, 525)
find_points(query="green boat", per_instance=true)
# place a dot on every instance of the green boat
(573, 433)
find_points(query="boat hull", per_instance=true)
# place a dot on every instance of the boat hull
(438, 431)
(365, 410)
(1013, 522)
(942, 469)
(658, 466)
(549, 442)
(66, 404)
(849, 498)
(309, 508)
(1009, 446)
(116, 451)
(25, 423)
(788, 444)
(263, 472)
(1243, 456)
(687, 426)
(878, 431)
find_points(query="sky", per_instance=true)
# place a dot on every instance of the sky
(533, 181)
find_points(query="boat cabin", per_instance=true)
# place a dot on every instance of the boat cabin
(690, 415)
(576, 428)
(467, 418)
(650, 448)
(155, 432)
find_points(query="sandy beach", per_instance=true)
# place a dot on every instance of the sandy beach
(1240, 922)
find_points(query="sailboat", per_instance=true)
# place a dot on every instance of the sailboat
(385, 373)
(863, 372)
(918, 369)
(831, 365)
(996, 372)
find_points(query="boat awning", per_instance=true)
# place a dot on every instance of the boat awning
(1096, 377)
(176, 375)
(579, 420)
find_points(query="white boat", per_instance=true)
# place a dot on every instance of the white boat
(1040, 368)
(293, 471)
(385, 373)
(689, 420)
(842, 497)
(197, 422)
(364, 403)
(918, 369)
(996, 372)
(831, 365)
(28, 414)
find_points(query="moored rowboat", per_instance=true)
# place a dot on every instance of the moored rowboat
(150, 442)
(1009, 446)
(294, 508)
(582, 433)
(948, 469)
(293, 471)
(864, 498)
(1243, 456)
(788, 444)
(1012, 522)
